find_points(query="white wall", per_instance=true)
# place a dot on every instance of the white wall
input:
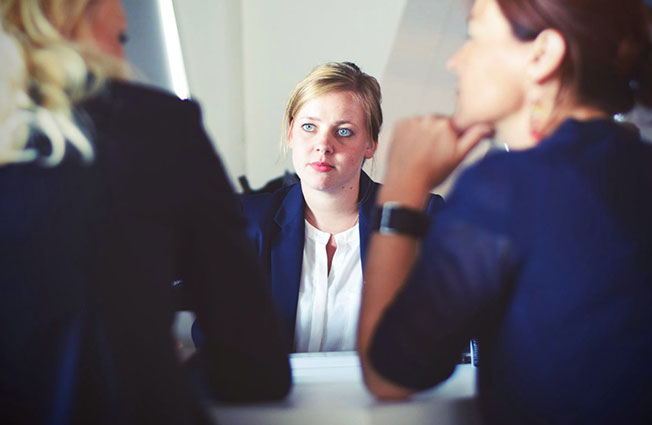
(244, 58)
(415, 80)
(145, 50)
(283, 40)
(210, 33)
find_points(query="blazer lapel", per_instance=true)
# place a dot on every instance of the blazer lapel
(287, 257)
(367, 199)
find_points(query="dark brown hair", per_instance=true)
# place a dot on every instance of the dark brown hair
(607, 64)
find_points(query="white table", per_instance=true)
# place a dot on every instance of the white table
(328, 389)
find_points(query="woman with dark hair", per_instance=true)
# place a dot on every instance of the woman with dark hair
(110, 191)
(541, 253)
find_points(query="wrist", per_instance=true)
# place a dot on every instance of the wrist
(392, 218)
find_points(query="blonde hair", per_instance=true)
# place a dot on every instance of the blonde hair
(332, 77)
(45, 73)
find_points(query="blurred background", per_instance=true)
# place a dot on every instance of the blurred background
(241, 58)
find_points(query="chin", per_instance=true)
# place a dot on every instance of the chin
(315, 183)
(461, 122)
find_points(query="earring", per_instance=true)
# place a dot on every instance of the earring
(538, 120)
(536, 126)
(538, 116)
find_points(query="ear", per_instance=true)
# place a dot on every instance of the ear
(371, 149)
(549, 50)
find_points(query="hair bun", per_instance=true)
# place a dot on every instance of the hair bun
(352, 65)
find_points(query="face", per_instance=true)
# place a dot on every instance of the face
(490, 68)
(329, 142)
(108, 25)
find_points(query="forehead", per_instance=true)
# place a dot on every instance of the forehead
(342, 104)
(476, 9)
(486, 15)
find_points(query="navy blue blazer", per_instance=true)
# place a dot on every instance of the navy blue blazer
(275, 224)
(545, 256)
(88, 254)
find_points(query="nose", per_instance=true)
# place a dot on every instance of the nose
(324, 143)
(452, 64)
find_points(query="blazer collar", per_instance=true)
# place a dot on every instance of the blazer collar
(287, 257)
(291, 210)
(287, 247)
(367, 200)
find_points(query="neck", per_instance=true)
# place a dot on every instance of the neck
(515, 129)
(331, 212)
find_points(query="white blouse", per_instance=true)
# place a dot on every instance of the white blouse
(329, 303)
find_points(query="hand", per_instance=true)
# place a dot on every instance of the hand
(426, 149)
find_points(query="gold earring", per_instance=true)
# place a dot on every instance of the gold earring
(536, 121)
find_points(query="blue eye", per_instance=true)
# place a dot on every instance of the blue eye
(308, 127)
(344, 132)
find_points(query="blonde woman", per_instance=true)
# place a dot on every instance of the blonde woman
(311, 237)
(110, 191)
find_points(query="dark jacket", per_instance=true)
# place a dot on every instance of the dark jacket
(544, 255)
(88, 257)
(275, 224)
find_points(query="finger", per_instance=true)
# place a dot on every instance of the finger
(471, 137)
(437, 117)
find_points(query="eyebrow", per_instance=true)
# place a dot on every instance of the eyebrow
(336, 122)
(309, 118)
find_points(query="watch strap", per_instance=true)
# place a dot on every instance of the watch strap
(392, 218)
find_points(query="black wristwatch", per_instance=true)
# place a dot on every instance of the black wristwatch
(391, 218)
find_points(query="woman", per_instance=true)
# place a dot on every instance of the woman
(110, 191)
(311, 237)
(542, 253)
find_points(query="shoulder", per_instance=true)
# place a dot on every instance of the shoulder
(262, 208)
(139, 106)
(369, 191)
(494, 169)
(139, 120)
(133, 125)
(131, 97)
(490, 192)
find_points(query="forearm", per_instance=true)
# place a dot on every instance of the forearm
(390, 260)
(424, 151)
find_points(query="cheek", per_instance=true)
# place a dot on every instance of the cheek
(358, 155)
(107, 39)
(294, 154)
(299, 154)
(491, 86)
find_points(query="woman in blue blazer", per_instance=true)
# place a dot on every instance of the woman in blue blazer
(331, 124)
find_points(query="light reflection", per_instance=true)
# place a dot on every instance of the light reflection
(173, 49)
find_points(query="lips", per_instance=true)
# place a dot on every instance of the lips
(322, 167)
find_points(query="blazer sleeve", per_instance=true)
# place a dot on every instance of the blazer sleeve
(244, 351)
